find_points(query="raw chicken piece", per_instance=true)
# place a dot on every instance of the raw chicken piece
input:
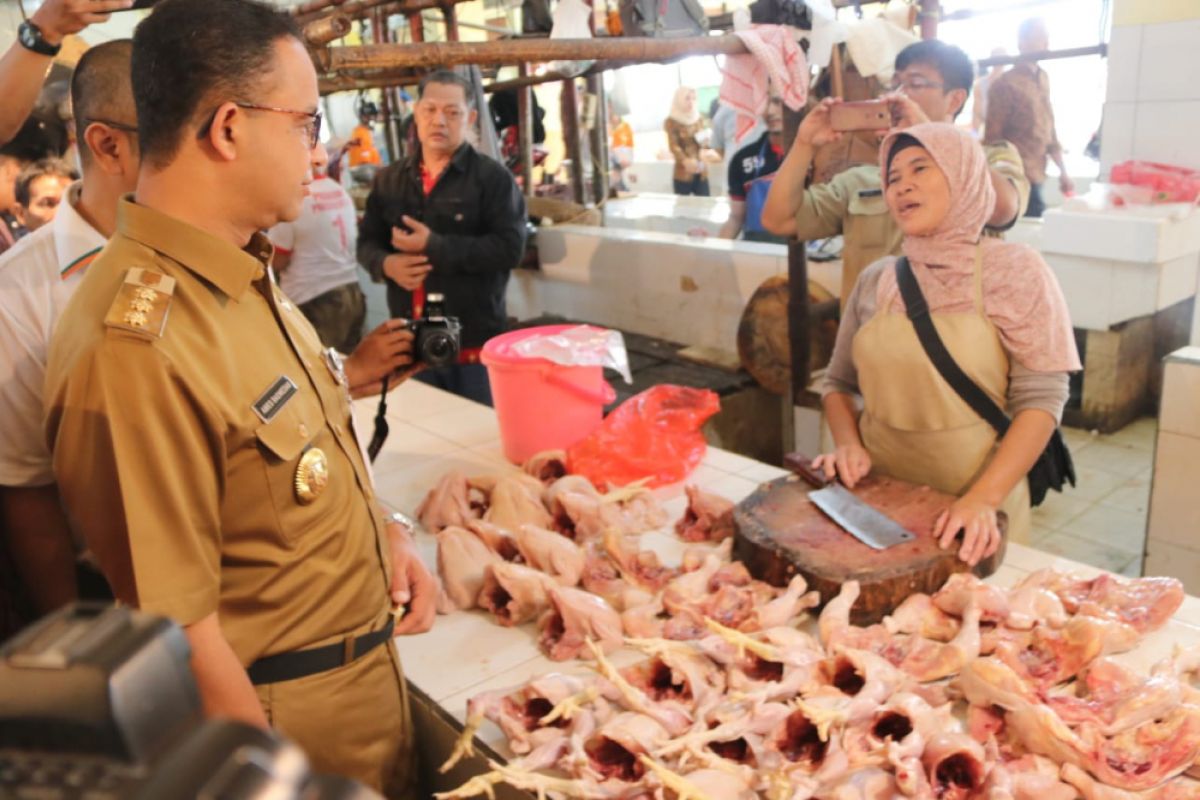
(1143, 603)
(613, 750)
(553, 554)
(601, 576)
(918, 615)
(1091, 789)
(955, 765)
(584, 497)
(462, 558)
(637, 567)
(963, 588)
(1030, 605)
(782, 609)
(547, 466)
(707, 783)
(690, 588)
(677, 673)
(513, 593)
(498, 540)
(834, 622)
(446, 504)
(870, 783)
(675, 719)
(927, 660)
(573, 617)
(1114, 699)
(644, 621)
(708, 517)
(1053, 656)
(516, 500)
(987, 682)
(1027, 778)
(798, 740)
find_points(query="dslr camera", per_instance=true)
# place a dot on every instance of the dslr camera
(438, 337)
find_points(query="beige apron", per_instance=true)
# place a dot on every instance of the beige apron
(914, 425)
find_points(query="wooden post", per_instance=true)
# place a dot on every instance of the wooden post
(391, 141)
(930, 10)
(599, 138)
(798, 314)
(569, 102)
(525, 130)
(416, 26)
(451, 17)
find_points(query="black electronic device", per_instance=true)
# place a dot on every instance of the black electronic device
(139, 5)
(438, 338)
(100, 703)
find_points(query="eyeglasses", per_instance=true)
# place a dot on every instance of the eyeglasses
(312, 127)
(915, 84)
(121, 126)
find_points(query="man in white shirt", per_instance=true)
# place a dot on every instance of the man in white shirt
(316, 264)
(37, 277)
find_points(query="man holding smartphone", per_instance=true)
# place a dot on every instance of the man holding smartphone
(446, 220)
(932, 82)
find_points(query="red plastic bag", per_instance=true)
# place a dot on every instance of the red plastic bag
(1169, 183)
(655, 435)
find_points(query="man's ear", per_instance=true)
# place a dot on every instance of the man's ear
(224, 134)
(958, 100)
(104, 145)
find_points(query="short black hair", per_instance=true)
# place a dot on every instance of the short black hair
(188, 54)
(101, 90)
(955, 66)
(448, 77)
(54, 167)
(37, 138)
(903, 142)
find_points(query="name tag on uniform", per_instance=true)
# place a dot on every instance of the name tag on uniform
(274, 398)
(870, 192)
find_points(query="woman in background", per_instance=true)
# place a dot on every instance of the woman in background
(683, 125)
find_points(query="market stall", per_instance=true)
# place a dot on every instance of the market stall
(467, 653)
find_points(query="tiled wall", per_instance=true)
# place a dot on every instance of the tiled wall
(1152, 110)
(1173, 540)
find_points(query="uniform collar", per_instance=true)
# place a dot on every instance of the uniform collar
(220, 263)
(74, 237)
(457, 161)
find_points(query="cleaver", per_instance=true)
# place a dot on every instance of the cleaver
(860, 520)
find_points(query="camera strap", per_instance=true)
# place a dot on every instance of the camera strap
(379, 436)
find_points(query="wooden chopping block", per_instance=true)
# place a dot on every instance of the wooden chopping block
(780, 532)
(762, 337)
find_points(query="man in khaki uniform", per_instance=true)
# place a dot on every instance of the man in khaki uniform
(202, 440)
(933, 80)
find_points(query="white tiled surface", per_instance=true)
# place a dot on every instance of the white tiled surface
(467, 653)
(1153, 101)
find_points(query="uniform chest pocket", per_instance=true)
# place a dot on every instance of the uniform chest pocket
(869, 220)
(295, 470)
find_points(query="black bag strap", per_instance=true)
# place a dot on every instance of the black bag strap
(967, 389)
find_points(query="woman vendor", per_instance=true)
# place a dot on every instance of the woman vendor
(683, 127)
(1001, 314)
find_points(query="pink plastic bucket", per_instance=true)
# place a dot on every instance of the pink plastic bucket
(542, 405)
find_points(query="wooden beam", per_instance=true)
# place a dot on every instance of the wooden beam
(1047, 55)
(517, 51)
(370, 80)
(357, 9)
(321, 32)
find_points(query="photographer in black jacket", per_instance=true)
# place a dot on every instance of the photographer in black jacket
(446, 220)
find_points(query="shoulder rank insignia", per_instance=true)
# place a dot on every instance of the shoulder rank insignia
(142, 303)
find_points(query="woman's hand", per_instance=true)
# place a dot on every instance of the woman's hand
(850, 462)
(977, 520)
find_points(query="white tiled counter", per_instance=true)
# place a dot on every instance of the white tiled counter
(1173, 531)
(433, 432)
(1130, 279)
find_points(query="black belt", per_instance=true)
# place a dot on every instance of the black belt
(302, 663)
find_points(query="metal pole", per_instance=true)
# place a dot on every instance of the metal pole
(525, 130)
(798, 313)
(379, 33)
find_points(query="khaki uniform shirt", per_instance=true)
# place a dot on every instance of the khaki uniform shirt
(852, 204)
(183, 393)
(681, 139)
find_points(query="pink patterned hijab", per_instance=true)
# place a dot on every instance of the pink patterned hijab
(1021, 296)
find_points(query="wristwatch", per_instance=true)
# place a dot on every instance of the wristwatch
(402, 519)
(31, 38)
